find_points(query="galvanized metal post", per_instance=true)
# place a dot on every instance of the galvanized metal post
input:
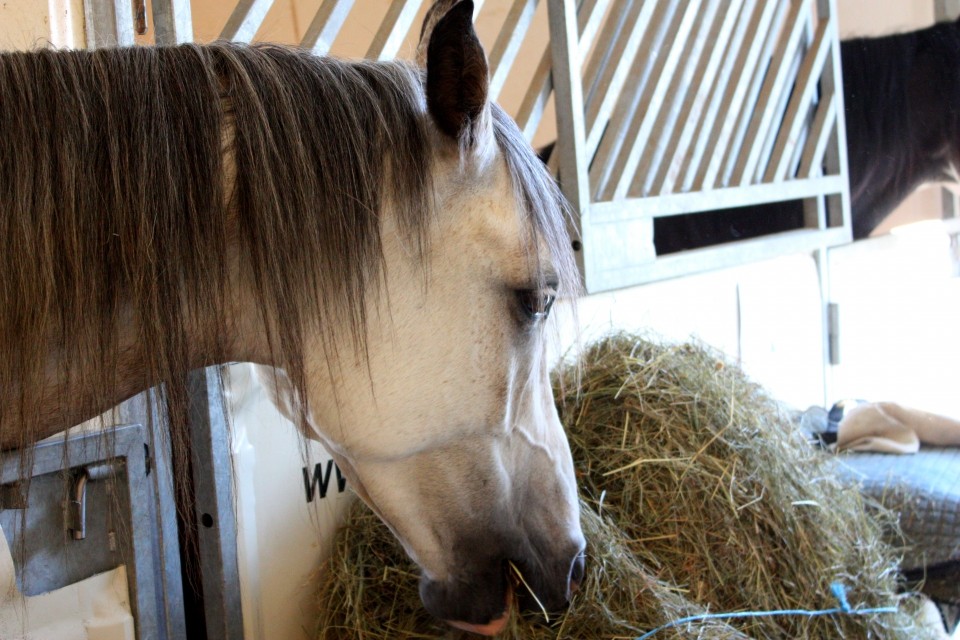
(213, 495)
(571, 131)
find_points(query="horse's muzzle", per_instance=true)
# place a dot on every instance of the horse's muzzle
(479, 602)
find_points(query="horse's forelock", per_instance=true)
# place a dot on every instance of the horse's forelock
(544, 209)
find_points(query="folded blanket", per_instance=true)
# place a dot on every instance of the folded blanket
(891, 428)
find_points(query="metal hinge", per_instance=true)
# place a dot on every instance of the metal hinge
(833, 333)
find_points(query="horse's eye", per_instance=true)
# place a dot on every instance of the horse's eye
(535, 304)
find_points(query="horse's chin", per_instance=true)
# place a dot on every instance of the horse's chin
(489, 629)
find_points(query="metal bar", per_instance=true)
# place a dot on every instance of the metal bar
(609, 36)
(611, 78)
(393, 30)
(123, 13)
(610, 140)
(736, 106)
(109, 24)
(590, 15)
(565, 52)
(245, 20)
(779, 108)
(698, 107)
(717, 257)
(806, 118)
(803, 92)
(172, 22)
(167, 553)
(835, 158)
(692, 88)
(213, 492)
(325, 26)
(650, 106)
(719, 95)
(535, 99)
(821, 129)
(668, 122)
(751, 102)
(508, 42)
(773, 87)
(538, 92)
(681, 203)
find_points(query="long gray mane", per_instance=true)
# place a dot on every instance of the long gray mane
(127, 175)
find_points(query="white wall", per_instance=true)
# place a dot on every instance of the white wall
(899, 319)
(28, 24)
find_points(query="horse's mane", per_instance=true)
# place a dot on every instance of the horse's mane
(122, 171)
(901, 95)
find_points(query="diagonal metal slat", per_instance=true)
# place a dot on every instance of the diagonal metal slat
(675, 101)
(246, 19)
(750, 102)
(820, 132)
(696, 104)
(590, 15)
(325, 26)
(779, 106)
(796, 153)
(807, 80)
(720, 92)
(650, 106)
(507, 46)
(736, 96)
(393, 30)
(609, 33)
(535, 99)
(774, 86)
(623, 121)
(172, 22)
(611, 78)
(720, 97)
(538, 92)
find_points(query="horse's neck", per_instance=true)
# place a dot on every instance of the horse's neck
(65, 398)
(899, 139)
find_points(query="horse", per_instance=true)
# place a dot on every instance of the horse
(379, 233)
(901, 97)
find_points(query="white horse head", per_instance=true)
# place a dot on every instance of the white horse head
(445, 423)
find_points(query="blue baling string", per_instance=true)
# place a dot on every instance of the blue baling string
(839, 592)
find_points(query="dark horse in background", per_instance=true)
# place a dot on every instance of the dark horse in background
(902, 110)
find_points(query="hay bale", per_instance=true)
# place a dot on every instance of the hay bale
(710, 500)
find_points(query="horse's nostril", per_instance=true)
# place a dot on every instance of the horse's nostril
(577, 569)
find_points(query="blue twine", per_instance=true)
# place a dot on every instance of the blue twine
(839, 592)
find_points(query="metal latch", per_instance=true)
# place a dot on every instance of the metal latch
(77, 505)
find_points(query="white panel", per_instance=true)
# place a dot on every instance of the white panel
(276, 578)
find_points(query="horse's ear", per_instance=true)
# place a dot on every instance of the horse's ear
(457, 74)
(436, 11)
(544, 152)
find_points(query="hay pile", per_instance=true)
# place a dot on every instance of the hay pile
(369, 590)
(707, 497)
